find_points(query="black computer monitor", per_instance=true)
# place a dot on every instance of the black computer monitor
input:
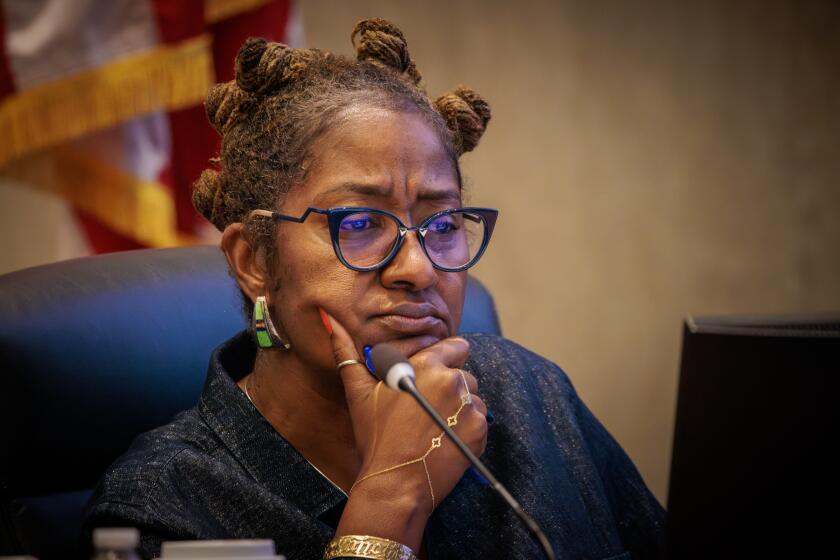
(753, 471)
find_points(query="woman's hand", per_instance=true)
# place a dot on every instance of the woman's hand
(390, 429)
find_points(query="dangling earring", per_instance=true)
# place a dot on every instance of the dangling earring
(264, 332)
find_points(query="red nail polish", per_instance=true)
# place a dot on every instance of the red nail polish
(326, 320)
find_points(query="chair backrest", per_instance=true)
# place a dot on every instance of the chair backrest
(95, 351)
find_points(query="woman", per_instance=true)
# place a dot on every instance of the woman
(340, 200)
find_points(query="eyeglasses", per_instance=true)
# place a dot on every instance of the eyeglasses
(366, 239)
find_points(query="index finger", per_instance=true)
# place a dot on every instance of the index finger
(451, 352)
(354, 374)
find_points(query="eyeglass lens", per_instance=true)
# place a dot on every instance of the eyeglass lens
(452, 240)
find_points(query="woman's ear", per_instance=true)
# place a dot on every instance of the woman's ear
(247, 265)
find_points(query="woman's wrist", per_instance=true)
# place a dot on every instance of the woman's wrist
(390, 508)
(366, 546)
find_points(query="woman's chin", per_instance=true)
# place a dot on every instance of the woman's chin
(410, 345)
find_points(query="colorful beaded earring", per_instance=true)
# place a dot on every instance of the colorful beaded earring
(263, 328)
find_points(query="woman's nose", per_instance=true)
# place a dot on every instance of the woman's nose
(411, 268)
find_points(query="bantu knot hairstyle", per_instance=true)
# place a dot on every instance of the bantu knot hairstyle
(264, 68)
(381, 42)
(283, 99)
(223, 100)
(466, 114)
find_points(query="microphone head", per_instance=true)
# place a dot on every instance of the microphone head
(390, 365)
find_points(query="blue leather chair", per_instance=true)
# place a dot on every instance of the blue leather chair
(93, 352)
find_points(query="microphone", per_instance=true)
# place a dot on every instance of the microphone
(392, 367)
(398, 372)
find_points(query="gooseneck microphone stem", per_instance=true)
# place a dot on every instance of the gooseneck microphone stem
(407, 385)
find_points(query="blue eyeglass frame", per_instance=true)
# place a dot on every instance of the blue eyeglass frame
(336, 215)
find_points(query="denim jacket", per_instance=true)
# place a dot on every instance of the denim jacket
(220, 470)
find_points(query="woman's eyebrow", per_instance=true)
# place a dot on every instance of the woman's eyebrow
(357, 188)
(382, 191)
(439, 195)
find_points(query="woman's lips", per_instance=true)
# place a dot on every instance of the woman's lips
(411, 319)
(408, 326)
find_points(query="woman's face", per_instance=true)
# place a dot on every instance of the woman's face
(378, 159)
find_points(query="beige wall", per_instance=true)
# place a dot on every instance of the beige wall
(651, 160)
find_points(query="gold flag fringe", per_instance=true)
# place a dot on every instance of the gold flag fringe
(217, 10)
(166, 77)
(141, 210)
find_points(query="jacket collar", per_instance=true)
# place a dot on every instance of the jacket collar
(260, 449)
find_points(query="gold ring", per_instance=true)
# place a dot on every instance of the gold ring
(347, 363)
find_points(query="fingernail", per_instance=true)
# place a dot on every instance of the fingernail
(326, 320)
(477, 475)
(366, 350)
